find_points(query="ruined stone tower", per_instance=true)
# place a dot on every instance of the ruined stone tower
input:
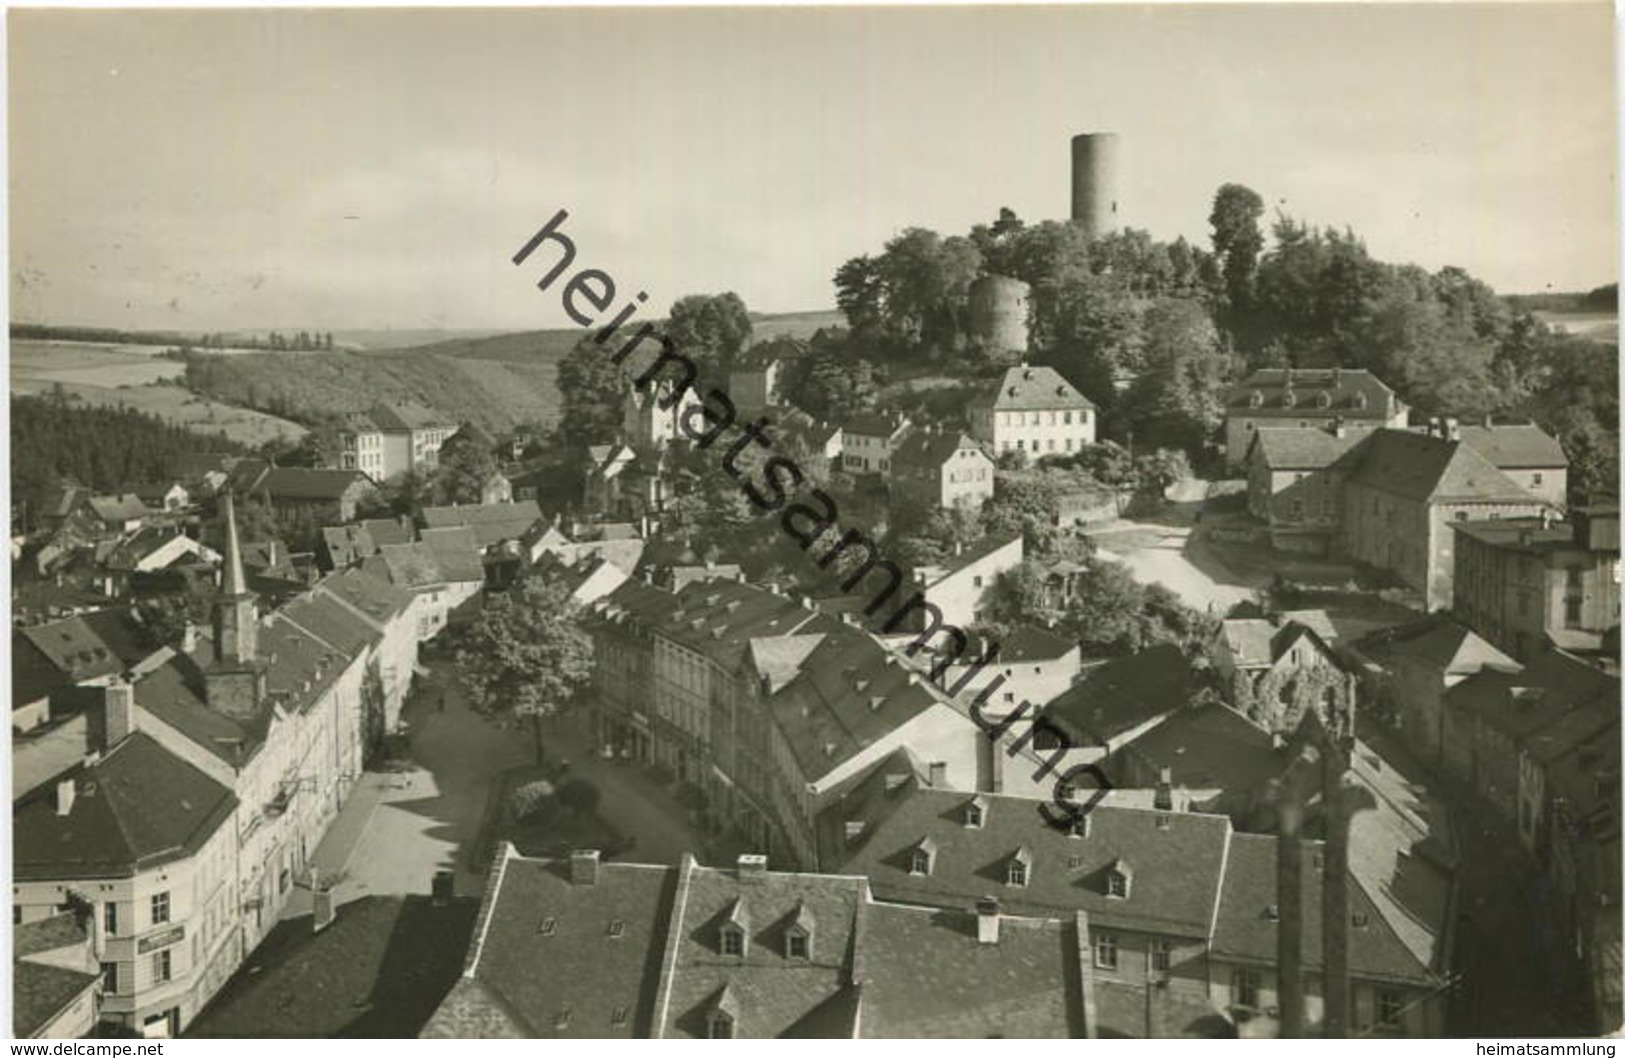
(1094, 182)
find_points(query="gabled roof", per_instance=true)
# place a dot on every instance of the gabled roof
(1528, 705)
(1028, 388)
(456, 552)
(1257, 642)
(956, 564)
(402, 417)
(1419, 467)
(1126, 692)
(1439, 642)
(1300, 448)
(310, 483)
(389, 530)
(121, 508)
(930, 449)
(1347, 392)
(492, 522)
(155, 491)
(875, 424)
(1177, 866)
(89, 646)
(1515, 445)
(1532, 536)
(1245, 928)
(544, 949)
(41, 991)
(138, 807)
(771, 992)
(378, 599)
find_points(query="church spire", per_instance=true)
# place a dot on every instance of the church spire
(236, 617)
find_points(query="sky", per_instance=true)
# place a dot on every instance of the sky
(379, 168)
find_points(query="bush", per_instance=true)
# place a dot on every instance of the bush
(579, 796)
(525, 801)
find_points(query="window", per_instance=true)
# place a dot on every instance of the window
(720, 1026)
(1106, 951)
(110, 918)
(1067, 418)
(617, 928)
(1535, 478)
(1389, 1008)
(973, 814)
(1015, 873)
(1117, 885)
(16, 914)
(110, 978)
(976, 581)
(160, 906)
(548, 927)
(1246, 989)
(733, 942)
(1571, 611)
(617, 1017)
(161, 966)
(1162, 954)
(1461, 516)
(798, 946)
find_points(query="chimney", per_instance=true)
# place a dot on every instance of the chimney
(1164, 799)
(937, 775)
(1452, 428)
(65, 793)
(1434, 429)
(584, 867)
(751, 866)
(806, 602)
(987, 920)
(189, 639)
(1545, 517)
(1489, 421)
(1337, 378)
(118, 702)
(1339, 428)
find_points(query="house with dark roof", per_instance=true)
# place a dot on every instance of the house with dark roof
(55, 980)
(1307, 399)
(1406, 493)
(1504, 730)
(87, 650)
(935, 468)
(1181, 911)
(1295, 478)
(756, 377)
(1523, 452)
(611, 950)
(443, 571)
(868, 440)
(1117, 702)
(1033, 410)
(1275, 668)
(1404, 672)
(125, 840)
(123, 513)
(493, 523)
(327, 496)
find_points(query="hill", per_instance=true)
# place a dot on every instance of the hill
(497, 380)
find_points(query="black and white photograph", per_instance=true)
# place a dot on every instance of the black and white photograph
(943, 521)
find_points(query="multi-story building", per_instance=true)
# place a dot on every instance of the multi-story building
(1305, 398)
(941, 469)
(1406, 670)
(1406, 493)
(326, 496)
(868, 441)
(394, 439)
(1036, 411)
(958, 588)
(1182, 914)
(247, 740)
(643, 951)
(1525, 582)
(1295, 482)
(1525, 453)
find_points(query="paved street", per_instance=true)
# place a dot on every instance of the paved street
(1170, 551)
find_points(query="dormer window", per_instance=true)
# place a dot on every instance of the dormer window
(548, 927)
(719, 1026)
(922, 857)
(975, 812)
(617, 928)
(1289, 399)
(733, 940)
(1119, 881)
(799, 933)
(1019, 868)
(1255, 399)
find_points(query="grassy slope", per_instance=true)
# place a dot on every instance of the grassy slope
(497, 381)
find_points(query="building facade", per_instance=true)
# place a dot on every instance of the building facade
(1036, 411)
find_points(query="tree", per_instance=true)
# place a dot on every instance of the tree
(1237, 241)
(592, 392)
(709, 329)
(463, 472)
(836, 385)
(164, 618)
(525, 655)
(1179, 396)
(1161, 469)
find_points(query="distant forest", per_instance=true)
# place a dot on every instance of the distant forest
(304, 341)
(54, 440)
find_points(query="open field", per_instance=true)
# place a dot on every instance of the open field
(176, 405)
(1598, 326)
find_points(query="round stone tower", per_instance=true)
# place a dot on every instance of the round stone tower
(998, 313)
(1094, 182)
